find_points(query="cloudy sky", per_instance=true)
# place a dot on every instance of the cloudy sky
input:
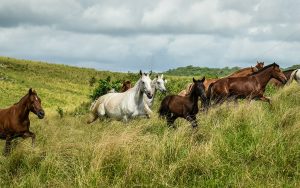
(128, 35)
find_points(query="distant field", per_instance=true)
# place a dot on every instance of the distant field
(250, 145)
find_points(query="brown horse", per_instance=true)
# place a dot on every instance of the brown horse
(277, 83)
(240, 73)
(14, 121)
(249, 87)
(174, 106)
(126, 85)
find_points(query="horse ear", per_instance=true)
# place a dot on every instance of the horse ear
(203, 79)
(141, 73)
(194, 80)
(162, 76)
(30, 91)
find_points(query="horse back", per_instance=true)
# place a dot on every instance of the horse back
(10, 122)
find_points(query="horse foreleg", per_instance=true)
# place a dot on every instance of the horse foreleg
(265, 99)
(7, 146)
(148, 111)
(192, 119)
(171, 119)
(29, 134)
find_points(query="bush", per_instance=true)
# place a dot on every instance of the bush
(104, 85)
(60, 112)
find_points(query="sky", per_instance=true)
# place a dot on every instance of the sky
(129, 35)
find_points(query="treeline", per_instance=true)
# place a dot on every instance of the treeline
(196, 71)
(209, 72)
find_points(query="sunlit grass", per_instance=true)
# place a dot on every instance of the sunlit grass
(246, 145)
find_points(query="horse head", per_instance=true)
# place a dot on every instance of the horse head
(259, 65)
(278, 74)
(160, 83)
(145, 84)
(35, 105)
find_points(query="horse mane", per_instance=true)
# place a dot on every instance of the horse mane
(238, 71)
(266, 67)
(21, 99)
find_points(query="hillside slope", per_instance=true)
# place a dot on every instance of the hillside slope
(249, 145)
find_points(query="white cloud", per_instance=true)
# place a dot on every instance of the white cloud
(134, 34)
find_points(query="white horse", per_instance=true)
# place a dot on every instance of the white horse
(295, 75)
(158, 83)
(122, 106)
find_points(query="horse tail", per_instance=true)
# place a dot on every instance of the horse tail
(164, 106)
(292, 77)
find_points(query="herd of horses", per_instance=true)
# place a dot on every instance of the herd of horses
(248, 83)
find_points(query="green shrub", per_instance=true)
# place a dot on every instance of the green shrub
(104, 85)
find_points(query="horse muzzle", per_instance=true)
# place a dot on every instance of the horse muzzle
(41, 114)
(149, 95)
(284, 80)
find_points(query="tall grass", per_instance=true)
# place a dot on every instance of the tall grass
(246, 145)
(252, 144)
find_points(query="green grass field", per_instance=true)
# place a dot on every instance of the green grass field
(250, 145)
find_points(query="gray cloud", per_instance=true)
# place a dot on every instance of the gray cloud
(130, 35)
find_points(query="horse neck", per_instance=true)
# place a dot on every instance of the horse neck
(193, 96)
(153, 87)
(138, 94)
(23, 110)
(264, 77)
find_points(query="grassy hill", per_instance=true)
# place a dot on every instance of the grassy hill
(249, 145)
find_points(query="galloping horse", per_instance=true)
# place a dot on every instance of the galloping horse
(126, 85)
(249, 87)
(158, 83)
(174, 106)
(123, 106)
(277, 83)
(240, 73)
(14, 121)
(295, 75)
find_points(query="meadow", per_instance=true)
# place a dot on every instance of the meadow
(253, 144)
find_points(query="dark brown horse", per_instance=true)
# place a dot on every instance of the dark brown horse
(126, 85)
(277, 83)
(250, 87)
(14, 121)
(240, 73)
(174, 106)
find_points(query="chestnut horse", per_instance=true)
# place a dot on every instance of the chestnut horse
(126, 85)
(277, 83)
(174, 106)
(247, 87)
(14, 121)
(240, 73)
